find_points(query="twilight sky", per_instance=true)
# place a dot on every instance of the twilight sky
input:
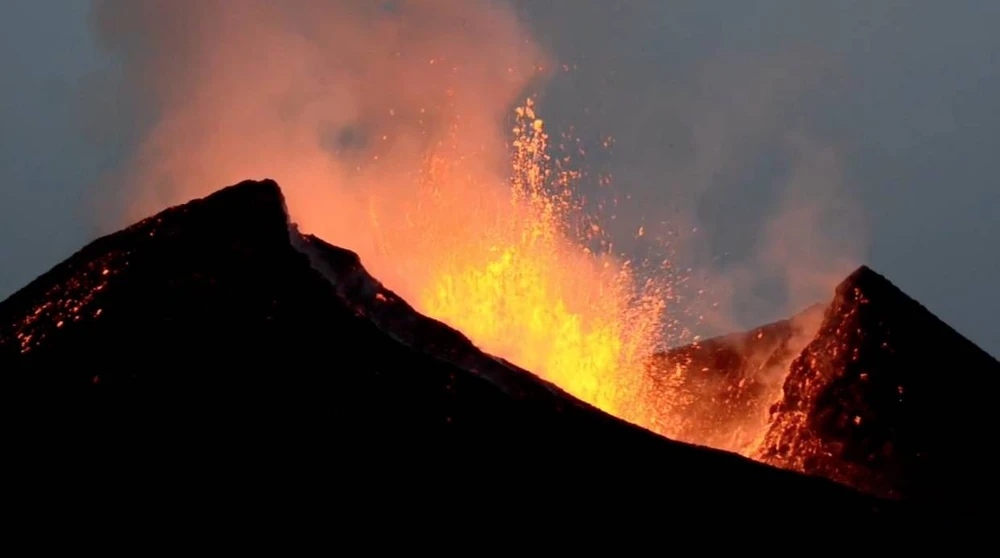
(788, 133)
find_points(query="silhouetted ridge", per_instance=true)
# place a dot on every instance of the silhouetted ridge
(182, 276)
(215, 343)
(871, 390)
(889, 399)
(367, 296)
(876, 285)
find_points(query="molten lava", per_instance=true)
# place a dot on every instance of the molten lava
(518, 277)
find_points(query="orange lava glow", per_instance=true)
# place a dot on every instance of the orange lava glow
(386, 133)
(522, 288)
(512, 268)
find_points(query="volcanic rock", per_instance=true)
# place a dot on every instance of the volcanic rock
(871, 390)
(719, 391)
(212, 349)
(889, 399)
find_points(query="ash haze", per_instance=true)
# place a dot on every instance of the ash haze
(777, 144)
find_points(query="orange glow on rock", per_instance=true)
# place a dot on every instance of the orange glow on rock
(507, 272)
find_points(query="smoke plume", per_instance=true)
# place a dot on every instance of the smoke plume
(340, 102)
(722, 158)
(350, 105)
(391, 128)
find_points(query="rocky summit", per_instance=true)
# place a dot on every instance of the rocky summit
(212, 345)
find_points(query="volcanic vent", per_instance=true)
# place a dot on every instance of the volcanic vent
(204, 328)
(719, 390)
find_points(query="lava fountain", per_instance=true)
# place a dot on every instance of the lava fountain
(519, 277)
(384, 126)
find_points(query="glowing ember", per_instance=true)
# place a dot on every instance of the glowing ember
(381, 127)
(514, 279)
(66, 303)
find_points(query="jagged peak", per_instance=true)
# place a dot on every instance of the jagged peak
(873, 285)
(864, 276)
(876, 287)
(248, 209)
(264, 191)
(256, 199)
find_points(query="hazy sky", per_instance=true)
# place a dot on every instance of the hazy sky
(883, 113)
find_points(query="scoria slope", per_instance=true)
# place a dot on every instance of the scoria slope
(889, 399)
(719, 390)
(211, 343)
(870, 390)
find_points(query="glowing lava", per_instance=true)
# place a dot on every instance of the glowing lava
(522, 287)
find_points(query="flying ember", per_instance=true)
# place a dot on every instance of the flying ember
(523, 285)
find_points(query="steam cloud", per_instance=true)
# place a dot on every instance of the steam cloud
(342, 101)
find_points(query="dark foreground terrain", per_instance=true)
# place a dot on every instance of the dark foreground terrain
(871, 390)
(889, 399)
(212, 351)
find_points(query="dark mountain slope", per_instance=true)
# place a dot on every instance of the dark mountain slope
(889, 399)
(199, 349)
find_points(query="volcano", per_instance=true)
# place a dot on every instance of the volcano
(871, 390)
(215, 329)
(216, 333)
(889, 399)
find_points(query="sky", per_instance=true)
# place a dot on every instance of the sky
(776, 135)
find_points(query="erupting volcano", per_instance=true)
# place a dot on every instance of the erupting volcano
(214, 327)
(424, 278)
(527, 285)
(222, 293)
